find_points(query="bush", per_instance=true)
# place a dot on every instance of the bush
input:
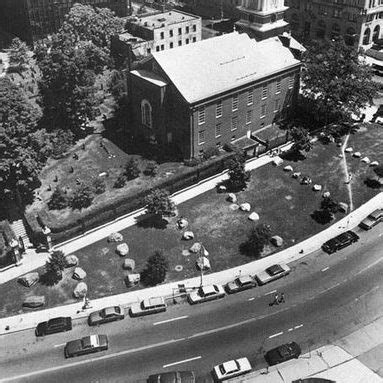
(151, 169)
(238, 177)
(192, 162)
(256, 241)
(99, 186)
(53, 268)
(132, 170)
(120, 181)
(210, 152)
(59, 200)
(155, 270)
(159, 203)
(82, 197)
(322, 216)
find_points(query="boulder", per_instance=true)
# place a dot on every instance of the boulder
(339, 144)
(357, 155)
(374, 163)
(296, 175)
(222, 189)
(196, 248)
(29, 279)
(277, 161)
(79, 274)
(115, 237)
(349, 150)
(306, 180)
(253, 216)
(317, 187)
(71, 260)
(326, 194)
(343, 207)
(366, 160)
(234, 206)
(276, 241)
(129, 264)
(288, 168)
(132, 280)
(203, 264)
(188, 235)
(182, 223)
(122, 249)
(245, 206)
(232, 197)
(80, 290)
(34, 301)
(185, 253)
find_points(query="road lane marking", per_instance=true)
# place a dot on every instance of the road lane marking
(271, 292)
(251, 299)
(325, 269)
(299, 326)
(59, 345)
(170, 320)
(182, 361)
(277, 334)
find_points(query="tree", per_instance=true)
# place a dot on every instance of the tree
(336, 80)
(329, 204)
(18, 55)
(155, 270)
(256, 241)
(238, 177)
(120, 181)
(59, 200)
(131, 169)
(99, 186)
(82, 197)
(301, 139)
(54, 267)
(159, 203)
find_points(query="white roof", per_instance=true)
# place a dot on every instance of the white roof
(215, 65)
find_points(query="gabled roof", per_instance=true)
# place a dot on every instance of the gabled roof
(210, 67)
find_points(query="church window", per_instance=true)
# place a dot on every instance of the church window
(146, 113)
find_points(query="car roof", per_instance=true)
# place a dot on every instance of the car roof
(231, 365)
(245, 279)
(208, 289)
(110, 310)
(91, 340)
(274, 269)
(376, 214)
(57, 320)
(154, 301)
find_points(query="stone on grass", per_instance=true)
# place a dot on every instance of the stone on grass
(129, 264)
(234, 206)
(185, 253)
(115, 237)
(34, 301)
(296, 175)
(326, 194)
(245, 206)
(374, 163)
(71, 260)
(339, 144)
(188, 235)
(277, 161)
(253, 216)
(343, 207)
(195, 248)
(79, 273)
(349, 150)
(357, 154)
(276, 241)
(122, 249)
(232, 197)
(317, 187)
(182, 223)
(205, 252)
(288, 168)
(132, 280)
(203, 264)
(222, 189)
(80, 290)
(29, 279)
(366, 160)
(306, 180)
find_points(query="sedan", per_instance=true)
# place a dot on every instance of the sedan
(206, 293)
(272, 273)
(86, 345)
(283, 353)
(239, 284)
(53, 326)
(373, 219)
(173, 377)
(340, 242)
(232, 369)
(106, 315)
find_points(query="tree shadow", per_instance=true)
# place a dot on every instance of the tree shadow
(50, 279)
(148, 221)
(292, 155)
(372, 183)
(322, 216)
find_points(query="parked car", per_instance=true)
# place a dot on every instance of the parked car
(53, 326)
(373, 219)
(339, 242)
(206, 293)
(148, 306)
(106, 315)
(232, 369)
(173, 377)
(283, 353)
(86, 345)
(272, 273)
(244, 282)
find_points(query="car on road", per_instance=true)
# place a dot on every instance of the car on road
(283, 353)
(53, 326)
(173, 377)
(373, 219)
(231, 369)
(206, 293)
(86, 345)
(241, 283)
(272, 273)
(340, 242)
(148, 306)
(106, 315)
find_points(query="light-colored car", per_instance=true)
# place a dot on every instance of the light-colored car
(232, 369)
(244, 282)
(272, 273)
(106, 315)
(86, 345)
(373, 219)
(206, 293)
(148, 306)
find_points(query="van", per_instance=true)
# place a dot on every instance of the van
(148, 306)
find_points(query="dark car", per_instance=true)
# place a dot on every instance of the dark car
(373, 219)
(106, 315)
(173, 377)
(54, 325)
(283, 353)
(244, 282)
(86, 345)
(339, 242)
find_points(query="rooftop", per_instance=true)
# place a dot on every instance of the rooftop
(149, 76)
(127, 37)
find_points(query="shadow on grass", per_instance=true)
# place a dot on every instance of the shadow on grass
(293, 155)
(148, 221)
(322, 216)
(50, 279)
(373, 184)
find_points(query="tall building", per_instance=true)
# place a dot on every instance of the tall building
(33, 19)
(227, 89)
(358, 21)
(262, 19)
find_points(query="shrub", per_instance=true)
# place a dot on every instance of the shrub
(99, 186)
(54, 267)
(256, 241)
(238, 177)
(155, 270)
(59, 200)
(329, 204)
(210, 152)
(120, 181)
(322, 216)
(192, 162)
(151, 169)
(82, 197)
(132, 170)
(159, 203)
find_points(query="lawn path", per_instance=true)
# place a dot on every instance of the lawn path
(347, 178)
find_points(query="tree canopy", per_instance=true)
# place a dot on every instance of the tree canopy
(159, 203)
(155, 270)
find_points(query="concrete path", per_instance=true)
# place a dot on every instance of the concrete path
(347, 176)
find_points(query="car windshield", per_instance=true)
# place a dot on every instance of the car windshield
(273, 270)
(285, 351)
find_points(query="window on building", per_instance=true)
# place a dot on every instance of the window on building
(180, 31)
(263, 111)
(194, 39)
(218, 129)
(235, 102)
(291, 82)
(218, 109)
(201, 137)
(250, 97)
(187, 29)
(179, 43)
(157, 49)
(249, 116)
(187, 41)
(171, 32)
(194, 28)
(277, 105)
(146, 113)
(234, 123)
(278, 86)
(264, 91)
(201, 115)
(162, 47)
(171, 45)
(162, 35)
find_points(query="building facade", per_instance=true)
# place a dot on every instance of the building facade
(360, 22)
(212, 8)
(31, 20)
(237, 93)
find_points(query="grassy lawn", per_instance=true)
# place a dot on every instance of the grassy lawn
(279, 200)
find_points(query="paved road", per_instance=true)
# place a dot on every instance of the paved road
(327, 297)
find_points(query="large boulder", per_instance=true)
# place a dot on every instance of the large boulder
(349, 150)
(122, 249)
(343, 207)
(187, 235)
(132, 280)
(80, 290)
(288, 168)
(245, 206)
(71, 260)
(276, 241)
(29, 279)
(374, 163)
(79, 274)
(182, 223)
(222, 189)
(296, 175)
(317, 187)
(277, 161)
(232, 198)
(115, 237)
(357, 154)
(253, 216)
(196, 248)
(366, 160)
(34, 301)
(129, 264)
(326, 194)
